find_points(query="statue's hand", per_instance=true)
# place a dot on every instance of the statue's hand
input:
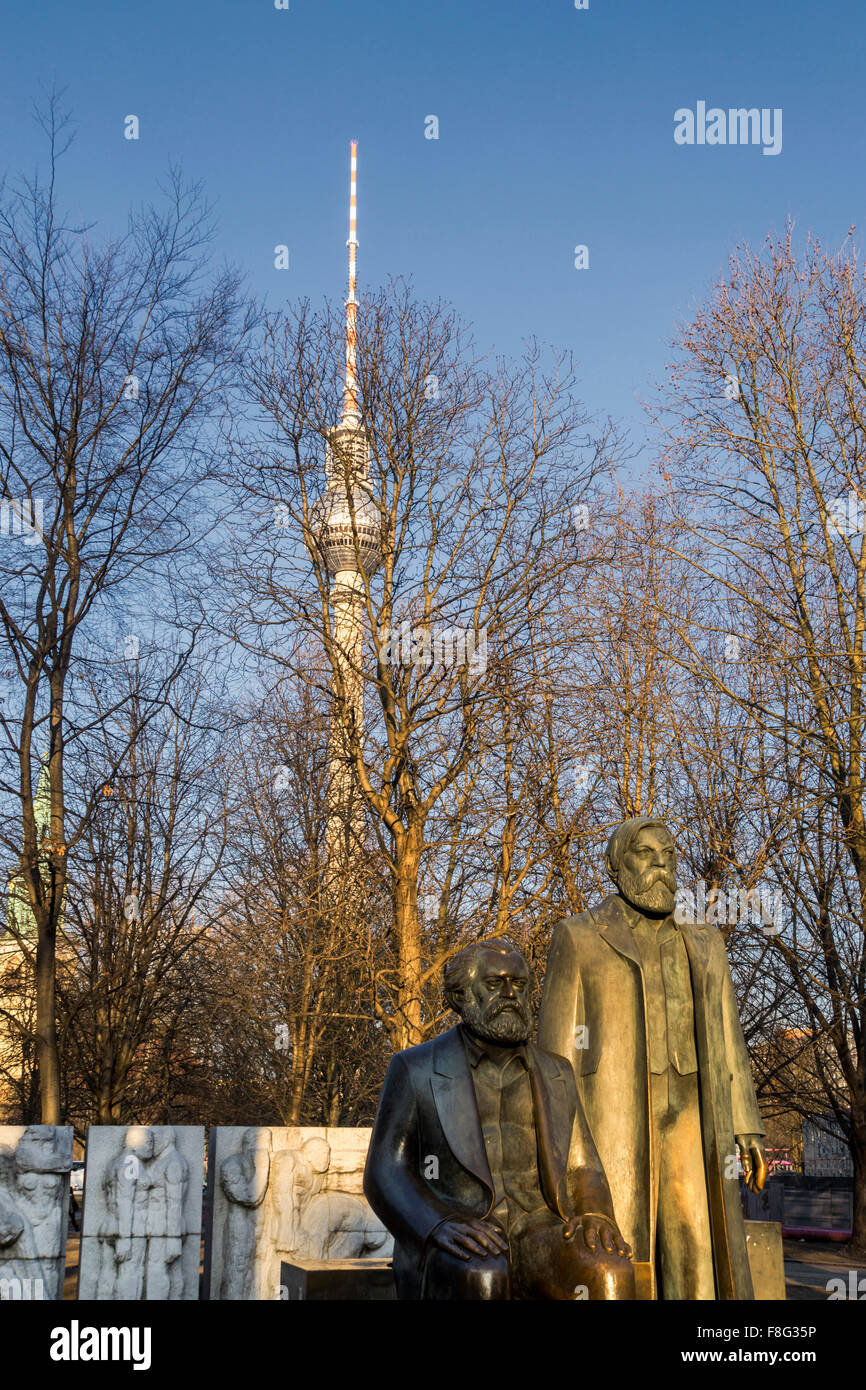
(598, 1230)
(467, 1238)
(753, 1160)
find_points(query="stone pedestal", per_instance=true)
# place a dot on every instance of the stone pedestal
(324, 1280)
(764, 1249)
(766, 1259)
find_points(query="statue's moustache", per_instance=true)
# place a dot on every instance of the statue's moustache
(659, 876)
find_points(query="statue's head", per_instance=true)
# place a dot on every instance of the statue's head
(488, 984)
(311, 1166)
(317, 1152)
(39, 1136)
(254, 1140)
(41, 1149)
(163, 1138)
(139, 1140)
(642, 861)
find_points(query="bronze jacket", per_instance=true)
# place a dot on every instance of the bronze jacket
(593, 1012)
(426, 1163)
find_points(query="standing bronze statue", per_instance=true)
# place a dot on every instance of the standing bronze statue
(481, 1163)
(644, 1009)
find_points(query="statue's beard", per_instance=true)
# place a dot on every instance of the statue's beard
(654, 892)
(498, 1023)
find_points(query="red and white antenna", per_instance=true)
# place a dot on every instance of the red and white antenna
(351, 413)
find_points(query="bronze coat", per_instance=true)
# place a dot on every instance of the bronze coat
(426, 1163)
(594, 982)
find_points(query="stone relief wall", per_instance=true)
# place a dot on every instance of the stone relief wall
(35, 1162)
(141, 1231)
(277, 1193)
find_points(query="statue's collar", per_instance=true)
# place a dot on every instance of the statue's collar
(499, 1054)
(628, 915)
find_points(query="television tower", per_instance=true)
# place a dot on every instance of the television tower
(346, 524)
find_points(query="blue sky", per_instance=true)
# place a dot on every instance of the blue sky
(555, 128)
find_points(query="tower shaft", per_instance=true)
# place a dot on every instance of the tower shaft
(345, 824)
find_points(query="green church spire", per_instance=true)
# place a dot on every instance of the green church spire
(20, 921)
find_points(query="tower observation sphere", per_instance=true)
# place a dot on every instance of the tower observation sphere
(347, 548)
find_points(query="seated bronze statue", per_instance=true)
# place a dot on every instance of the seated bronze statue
(481, 1162)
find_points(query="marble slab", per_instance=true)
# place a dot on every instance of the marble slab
(281, 1194)
(35, 1163)
(141, 1227)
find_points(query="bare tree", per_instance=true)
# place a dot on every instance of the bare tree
(143, 881)
(475, 469)
(767, 466)
(111, 357)
(291, 1008)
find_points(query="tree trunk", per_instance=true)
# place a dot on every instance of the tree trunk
(105, 1104)
(858, 1154)
(409, 1027)
(298, 1082)
(46, 1027)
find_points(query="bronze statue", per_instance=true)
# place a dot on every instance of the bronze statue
(644, 1009)
(481, 1163)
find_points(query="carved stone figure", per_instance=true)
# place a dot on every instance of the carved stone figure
(481, 1163)
(123, 1233)
(141, 1228)
(314, 1222)
(644, 1009)
(167, 1185)
(18, 1257)
(286, 1193)
(292, 1177)
(35, 1163)
(43, 1162)
(244, 1180)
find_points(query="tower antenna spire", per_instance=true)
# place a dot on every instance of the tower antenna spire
(351, 413)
